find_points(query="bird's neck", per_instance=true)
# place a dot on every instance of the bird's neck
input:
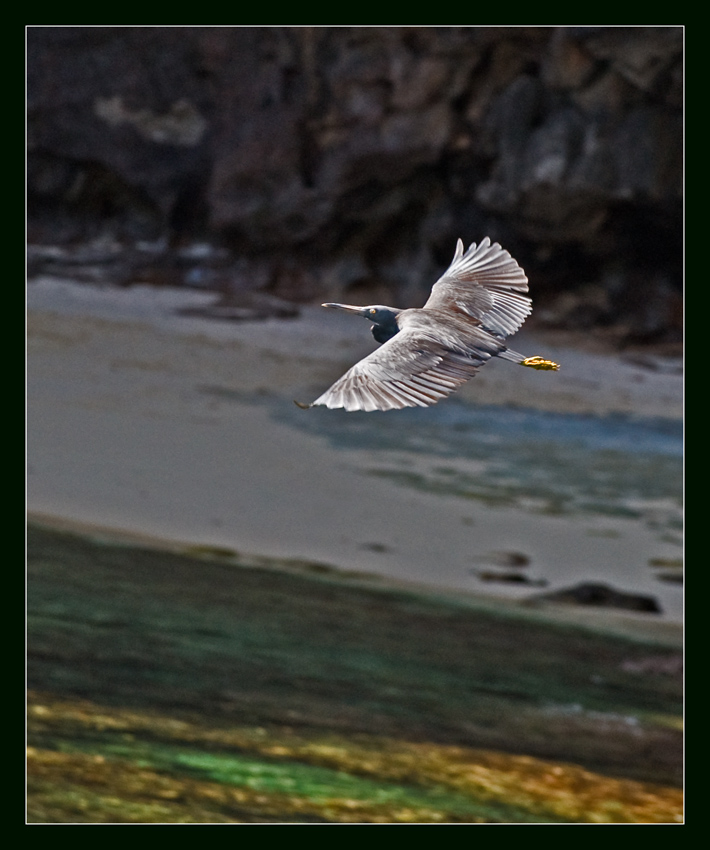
(382, 331)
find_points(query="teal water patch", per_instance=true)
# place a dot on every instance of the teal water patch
(553, 463)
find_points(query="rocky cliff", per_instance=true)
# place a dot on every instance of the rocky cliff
(345, 161)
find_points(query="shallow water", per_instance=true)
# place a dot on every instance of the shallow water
(540, 462)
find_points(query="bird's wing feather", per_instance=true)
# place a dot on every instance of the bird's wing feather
(486, 284)
(411, 369)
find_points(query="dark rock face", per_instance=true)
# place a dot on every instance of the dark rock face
(339, 157)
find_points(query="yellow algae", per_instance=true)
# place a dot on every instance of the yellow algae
(554, 791)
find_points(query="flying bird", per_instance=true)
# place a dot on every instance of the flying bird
(428, 353)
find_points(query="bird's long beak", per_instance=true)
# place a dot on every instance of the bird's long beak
(349, 308)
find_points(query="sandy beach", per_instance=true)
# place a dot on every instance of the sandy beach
(148, 422)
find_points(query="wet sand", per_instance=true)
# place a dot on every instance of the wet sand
(145, 422)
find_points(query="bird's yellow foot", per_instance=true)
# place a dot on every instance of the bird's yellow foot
(540, 363)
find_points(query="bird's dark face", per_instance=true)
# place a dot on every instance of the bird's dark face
(377, 313)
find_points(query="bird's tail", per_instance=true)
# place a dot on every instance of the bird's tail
(536, 362)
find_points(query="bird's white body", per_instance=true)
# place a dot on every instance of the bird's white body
(428, 353)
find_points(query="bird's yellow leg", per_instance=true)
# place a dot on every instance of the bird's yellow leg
(540, 363)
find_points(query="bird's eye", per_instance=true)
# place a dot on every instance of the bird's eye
(373, 311)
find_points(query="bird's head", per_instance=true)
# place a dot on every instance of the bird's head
(377, 313)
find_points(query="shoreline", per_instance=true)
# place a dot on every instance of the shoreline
(609, 621)
(163, 434)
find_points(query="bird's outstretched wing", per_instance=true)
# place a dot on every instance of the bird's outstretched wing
(409, 370)
(486, 284)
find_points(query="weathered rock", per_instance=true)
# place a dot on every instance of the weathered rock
(601, 595)
(308, 150)
(509, 577)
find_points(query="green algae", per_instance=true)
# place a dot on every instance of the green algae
(321, 786)
(86, 757)
(236, 644)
